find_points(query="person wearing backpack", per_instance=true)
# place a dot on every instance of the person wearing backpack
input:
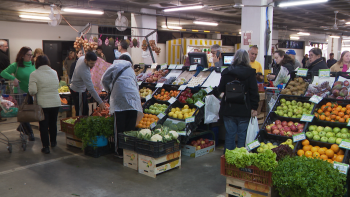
(241, 99)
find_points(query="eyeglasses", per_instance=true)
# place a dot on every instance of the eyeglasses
(30, 55)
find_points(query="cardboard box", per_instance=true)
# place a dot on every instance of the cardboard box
(130, 159)
(61, 115)
(153, 166)
(72, 140)
(191, 151)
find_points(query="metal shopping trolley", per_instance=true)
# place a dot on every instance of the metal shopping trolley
(9, 114)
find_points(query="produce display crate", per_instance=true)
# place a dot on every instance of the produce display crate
(180, 105)
(68, 97)
(343, 103)
(130, 159)
(158, 69)
(308, 78)
(290, 98)
(236, 187)
(126, 142)
(156, 149)
(250, 173)
(189, 150)
(153, 101)
(262, 136)
(69, 128)
(96, 152)
(148, 85)
(167, 88)
(322, 144)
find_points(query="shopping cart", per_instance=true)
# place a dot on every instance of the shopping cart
(17, 100)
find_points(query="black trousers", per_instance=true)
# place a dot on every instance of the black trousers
(125, 121)
(49, 126)
(76, 99)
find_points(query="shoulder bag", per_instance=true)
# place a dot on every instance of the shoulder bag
(30, 112)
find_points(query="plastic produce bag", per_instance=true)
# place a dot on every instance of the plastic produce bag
(282, 77)
(252, 131)
(211, 112)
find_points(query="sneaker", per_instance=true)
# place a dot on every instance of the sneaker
(31, 137)
(45, 150)
(118, 155)
(53, 144)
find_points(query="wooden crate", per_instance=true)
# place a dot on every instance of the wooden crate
(261, 118)
(74, 141)
(61, 115)
(153, 166)
(130, 159)
(236, 187)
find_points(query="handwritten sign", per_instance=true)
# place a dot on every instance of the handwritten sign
(161, 115)
(307, 118)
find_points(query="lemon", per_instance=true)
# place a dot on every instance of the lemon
(171, 114)
(178, 109)
(180, 116)
(173, 110)
(175, 116)
(186, 116)
(185, 110)
(186, 107)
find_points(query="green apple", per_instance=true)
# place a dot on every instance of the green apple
(262, 143)
(283, 100)
(290, 114)
(320, 128)
(294, 102)
(289, 142)
(299, 104)
(338, 140)
(344, 136)
(309, 135)
(279, 108)
(312, 128)
(344, 130)
(322, 134)
(328, 129)
(336, 129)
(324, 139)
(265, 147)
(288, 103)
(331, 140)
(338, 135)
(285, 115)
(260, 150)
(315, 132)
(307, 105)
(329, 134)
(294, 116)
(299, 115)
(316, 137)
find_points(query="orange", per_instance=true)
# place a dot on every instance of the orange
(314, 149)
(316, 155)
(317, 147)
(327, 113)
(328, 118)
(339, 158)
(300, 152)
(330, 153)
(339, 108)
(308, 154)
(319, 111)
(330, 161)
(341, 120)
(333, 116)
(324, 157)
(323, 107)
(343, 109)
(322, 117)
(329, 104)
(329, 109)
(321, 151)
(307, 148)
(348, 106)
(341, 114)
(337, 118)
(335, 148)
(340, 152)
(305, 142)
(334, 157)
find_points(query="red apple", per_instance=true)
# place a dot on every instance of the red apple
(276, 131)
(274, 127)
(277, 122)
(206, 141)
(284, 123)
(202, 142)
(282, 133)
(268, 128)
(198, 148)
(199, 142)
(346, 83)
(300, 126)
(290, 123)
(286, 128)
(300, 130)
(288, 134)
(279, 126)
(293, 128)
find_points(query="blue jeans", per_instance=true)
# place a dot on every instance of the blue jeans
(235, 126)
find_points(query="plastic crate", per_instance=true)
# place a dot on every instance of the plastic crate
(148, 85)
(180, 105)
(126, 142)
(68, 97)
(167, 88)
(262, 136)
(97, 151)
(158, 68)
(343, 103)
(249, 173)
(290, 98)
(156, 149)
(153, 101)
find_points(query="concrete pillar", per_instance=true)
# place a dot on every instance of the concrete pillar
(254, 25)
(216, 36)
(334, 46)
(143, 21)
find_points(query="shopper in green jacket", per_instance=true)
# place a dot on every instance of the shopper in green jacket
(21, 70)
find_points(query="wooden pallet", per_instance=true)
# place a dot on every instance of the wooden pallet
(238, 188)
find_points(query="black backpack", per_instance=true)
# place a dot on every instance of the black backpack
(235, 92)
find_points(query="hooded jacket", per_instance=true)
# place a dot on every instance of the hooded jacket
(317, 65)
(4, 61)
(246, 75)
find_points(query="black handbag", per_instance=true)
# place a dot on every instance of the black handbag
(235, 92)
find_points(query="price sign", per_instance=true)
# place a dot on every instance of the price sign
(302, 72)
(179, 66)
(324, 73)
(342, 167)
(205, 69)
(345, 144)
(253, 144)
(153, 125)
(209, 89)
(172, 100)
(315, 99)
(348, 123)
(182, 87)
(199, 104)
(161, 115)
(172, 66)
(299, 137)
(190, 119)
(148, 97)
(189, 132)
(183, 133)
(164, 66)
(307, 118)
(154, 66)
(139, 82)
(193, 67)
(159, 85)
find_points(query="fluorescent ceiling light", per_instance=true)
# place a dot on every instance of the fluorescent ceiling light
(34, 17)
(296, 3)
(184, 8)
(171, 27)
(334, 36)
(83, 11)
(205, 23)
(239, 32)
(347, 23)
(303, 33)
(295, 37)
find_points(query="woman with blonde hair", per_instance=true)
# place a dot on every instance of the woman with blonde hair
(343, 64)
(37, 53)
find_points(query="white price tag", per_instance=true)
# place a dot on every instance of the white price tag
(302, 72)
(172, 100)
(190, 119)
(154, 65)
(159, 85)
(299, 137)
(148, 97)
(345, 144)
(342, 167)
(161, 115)
(199, 104)
(307, 118)
(189, 132)
(324, 73)
(315, 99)
(348, 123)
(139, 82)
(193, 67)
(182, 87)
(253, 144)
(209, 89)
(172, 66)
(153, 125)
(183, 133)
(205, 69)
(164, 66)
(179, 66)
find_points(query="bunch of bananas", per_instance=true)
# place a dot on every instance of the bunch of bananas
(63, 89)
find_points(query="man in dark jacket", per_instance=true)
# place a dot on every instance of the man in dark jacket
(4, 63)
(316, 60)
(236, 116)
(331, 60)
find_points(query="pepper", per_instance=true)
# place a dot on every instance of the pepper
(189, 101)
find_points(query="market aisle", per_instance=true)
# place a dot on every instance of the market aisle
(66, 172)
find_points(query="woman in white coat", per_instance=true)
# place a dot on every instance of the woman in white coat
(44, 84)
